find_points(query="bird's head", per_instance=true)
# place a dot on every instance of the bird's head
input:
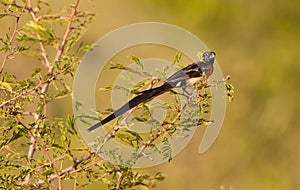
(209, 57)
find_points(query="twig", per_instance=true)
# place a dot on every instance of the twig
(51, 16)
(120, 179)
(48, 80)
(67, 170)
(12, 37)
(24, 7)
(32, 148)
(46, 84)
(34, 140)
(123, 121)
(157, 134)
(62, 46)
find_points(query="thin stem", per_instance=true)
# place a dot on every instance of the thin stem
(120, 179)
(158, 134)
(35, 141)
(45, 85)
(12, 37)
(41, 83)
(67, 170)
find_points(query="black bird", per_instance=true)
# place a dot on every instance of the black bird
(187, 76)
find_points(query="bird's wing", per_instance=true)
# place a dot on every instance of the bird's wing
(182, 77)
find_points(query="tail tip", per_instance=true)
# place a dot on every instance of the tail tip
(94, 127)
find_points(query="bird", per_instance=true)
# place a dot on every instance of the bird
(187, 76)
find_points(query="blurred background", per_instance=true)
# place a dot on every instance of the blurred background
(257, 44)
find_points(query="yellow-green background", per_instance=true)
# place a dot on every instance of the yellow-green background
(257, 43)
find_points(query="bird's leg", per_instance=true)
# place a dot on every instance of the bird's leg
(182, 94)
(186, 94)
(189, 95)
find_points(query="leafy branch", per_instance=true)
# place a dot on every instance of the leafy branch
(38, 151)
(178, 120)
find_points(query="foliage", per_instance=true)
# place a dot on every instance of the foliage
(38, 151)
(181, 113)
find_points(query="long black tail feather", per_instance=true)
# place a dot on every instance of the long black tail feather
(142, 97)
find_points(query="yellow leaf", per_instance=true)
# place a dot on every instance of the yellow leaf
(35, 25)
(6, 86)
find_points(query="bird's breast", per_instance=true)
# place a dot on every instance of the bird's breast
(192, 81)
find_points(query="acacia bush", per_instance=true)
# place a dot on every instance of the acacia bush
(37, 151)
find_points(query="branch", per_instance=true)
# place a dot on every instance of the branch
(157, 134)
(38, 89)
(62, 46)
(31, 149)
(43, 50)
(120, 179)
(24, 7)
(127, 114)
(48, 80)
(12, 37)
(67, 170)
(34, 140)
(46, 84)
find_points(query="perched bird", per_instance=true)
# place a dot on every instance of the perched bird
(187, 76)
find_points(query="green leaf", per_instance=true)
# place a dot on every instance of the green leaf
(137, 61)
(199, 55)
(229, 91)
(129, 137)
(117, 66)
(6, 86)
(21, 48)
(85, 48)
(36, 72)
(71, 124)
(34, 26)
(27, 38)
(177, 57)
(159, 176)
(56, 65)
(2, 15)
(136, 88)
(55, 145)
(5, 48)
